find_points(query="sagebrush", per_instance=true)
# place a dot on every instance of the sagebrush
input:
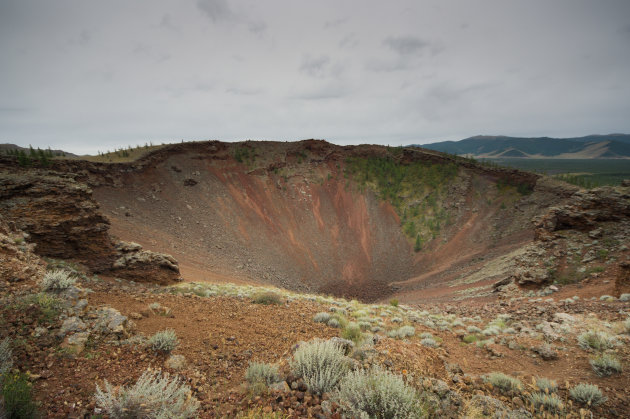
(259, 372)
(154, 395)
(587, 394)
(377, 393)
(505, 383)
(57, 280)
(164, 341)
(321, 363)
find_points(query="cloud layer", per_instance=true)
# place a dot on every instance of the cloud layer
(88, 76)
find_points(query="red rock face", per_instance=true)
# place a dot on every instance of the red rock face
(64, 222)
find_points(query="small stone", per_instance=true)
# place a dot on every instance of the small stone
(135, 316)
(176, 362)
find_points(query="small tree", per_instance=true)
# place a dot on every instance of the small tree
(418, 246)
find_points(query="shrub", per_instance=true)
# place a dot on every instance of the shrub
(334, 323)
(259, 372)
(503, 382)
(377, 394)
(17, 397)
(153, 395)
(321, 363)
(164, 341)
(491, 331)
(546, 385)
(588, 394)
(426, 335)
(473, 329)
(546, 402)
(429, 342)
(6, 357)
(352, 332)
(397, 320)
(470, 338)
(624, 297)
(595, 340)
(267, 298)
(322, 317)
(606, 365)
(57, 280)
(393, 302)
(402, 332)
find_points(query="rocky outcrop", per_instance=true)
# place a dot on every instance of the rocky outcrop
(584, 210)
(59, 215)
(143, 265)
(61, 219)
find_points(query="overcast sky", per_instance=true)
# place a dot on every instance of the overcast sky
(93, 75)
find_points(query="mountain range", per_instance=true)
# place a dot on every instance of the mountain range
(612, 146)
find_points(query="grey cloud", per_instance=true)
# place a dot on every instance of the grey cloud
(167, 22)
(257, 28)
(335, 22)
(407, 45)
(315, 66)
(243, 91)
(349, 41)
(324, 92)
(15, 109)
(216, 9)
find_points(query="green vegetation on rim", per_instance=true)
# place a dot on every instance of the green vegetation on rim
(415, 190)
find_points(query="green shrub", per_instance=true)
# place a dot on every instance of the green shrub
(164, 341)
(267, 298)
(322, 317)
(57, 280)
(588, 394)
(321, 363)
(470, 338)
(606, 365)
(543, 402)
(352, 332)
(546, 385)
(377, 394)
(153, 396)
(6, 357)
(595, 340)
(393, 302)
(259, 372)
(17, 396)
(505, 383)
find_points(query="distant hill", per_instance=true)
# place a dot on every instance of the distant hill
(612, 146)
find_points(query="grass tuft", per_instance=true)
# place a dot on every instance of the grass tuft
(606, 365)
